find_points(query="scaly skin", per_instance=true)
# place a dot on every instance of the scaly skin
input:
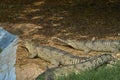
(97, 45)
(92, 63)
(52, 54)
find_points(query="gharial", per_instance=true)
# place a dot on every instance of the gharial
(87, 46)
(51, 54)
(92, 63)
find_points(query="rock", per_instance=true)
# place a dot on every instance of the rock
(28, 72)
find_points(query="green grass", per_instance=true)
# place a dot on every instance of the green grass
(0, 50)
(41, 78)
(102, 73)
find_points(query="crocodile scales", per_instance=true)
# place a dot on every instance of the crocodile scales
(92, 63)
(51, 54)
(87, 46)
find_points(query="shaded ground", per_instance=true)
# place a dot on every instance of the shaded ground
(99, 19)
(40, 20)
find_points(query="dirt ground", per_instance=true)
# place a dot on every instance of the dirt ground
(40, 20)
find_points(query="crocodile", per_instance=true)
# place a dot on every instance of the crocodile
(92, 63)
(53, 55)
(112, 46)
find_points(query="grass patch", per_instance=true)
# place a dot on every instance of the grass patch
(0, 50)
(102, 73)
(40, 78)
